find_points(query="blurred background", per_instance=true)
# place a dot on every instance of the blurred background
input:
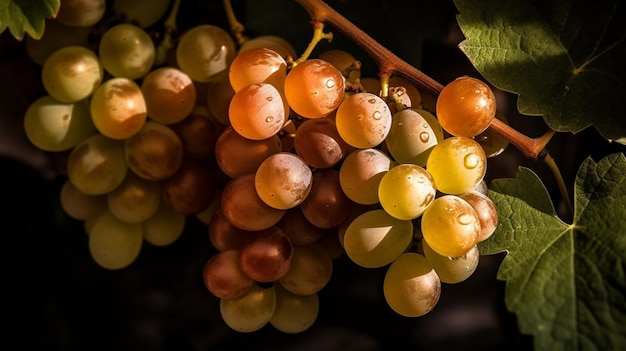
(57, 298)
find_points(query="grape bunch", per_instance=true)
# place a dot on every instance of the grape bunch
(289, 163)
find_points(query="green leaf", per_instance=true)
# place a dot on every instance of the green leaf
(565, 59)
(26, 16)
(565, 282)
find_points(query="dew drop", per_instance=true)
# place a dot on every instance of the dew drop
(330, 83)
(464, 219)
(377, 115)
(269, 98)
(269, 118)
(372, 101)
(424, 137)
(471, 161)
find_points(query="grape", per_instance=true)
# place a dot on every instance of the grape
(330, 242)
(81, 13)
(283, 180)
(71, 73)
(363, 120)
(406, 190)
(155, 152)
(466, 106)
(224, 235)
(410, 90)
(310, 271)
(198, 134)
(143, 13)
(223, 276)
(51, 125)
(257, 111)
(114, 244)
(126, 51)
(486, 211)
(314, 88)
(219, 95)
(318, 143)
(205, 52)
(278, 44)
(432, 122)
(294, 313)
(374, 239)
(118, 108)
(237, 155)
(298, 228)
(169, 93)
(411, 286)
(96, 166)
(135, 199)
(411, 138)
(452, 270)
(355, 211)
(191, 188)
(260, 65)
(265, 256)
(56, 36)
(342, 60)
(493, 143)
(360, 175)
(250, 311)
(243, 207)
(79, 205)
(164, 227)
(450, 226)
(457, 164)
(326, 206)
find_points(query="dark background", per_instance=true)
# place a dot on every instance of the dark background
(57, 298)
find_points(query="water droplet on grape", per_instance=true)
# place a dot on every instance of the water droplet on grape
(377, 115)
(330, 83)
(424, 137)
(269, 118)
(269, 98)
(372, 101)
(471, 161)
(464, 219)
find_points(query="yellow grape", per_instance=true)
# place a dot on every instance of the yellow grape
(114, 244)
(411, 285)
(56, 36)
(452, 270)
(363, 120)
(486, 211)
(361, 172)
(164, 227)
(118, 108)
(79, 205)
(310, 271)
(257, 111)
(144, 13)
(450, 226)
(457, 164)
(466, 106)
(251, 311)
(406, 191)
(294, 313)
(169, 93)
(411, 137)
(283, 180)
(81, 13)
(276, 43)
(72, 73)
(314, 88)
(126, 51)
(205, 52)
(135, 200)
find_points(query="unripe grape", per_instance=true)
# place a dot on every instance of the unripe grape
(205, 52)
(126, 51)
(72, 73)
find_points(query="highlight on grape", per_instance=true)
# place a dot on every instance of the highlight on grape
(289, 164)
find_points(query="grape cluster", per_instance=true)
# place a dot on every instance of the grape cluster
(290, 164)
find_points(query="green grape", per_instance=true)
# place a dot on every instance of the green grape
(155, 152)
(466, 106)
(361, 172)
(237, 155)
(71, 73)
(143, 13)
(259, 65)
(135, 199)
(118, 108)
(114, 244)
(96, 166)
(314, 88)
(257, 111)
(223, 277)
(205, 52)
(411, 286)
(375, 238)
(363, 120)
(294, 313)
(164, 227)
(79, 205)
(457, 164)
(276, 43)
(52, 125)
(250, 311)
(310, 271)
(169, 93)
(450, 226)
(452, 270)
(56, 36)
(126, 51)
(411, 138)
(486, 211)
(81, 13)
(283, 180)
(406, 190)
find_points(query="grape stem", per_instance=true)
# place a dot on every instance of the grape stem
(236, 28)
(170, 30)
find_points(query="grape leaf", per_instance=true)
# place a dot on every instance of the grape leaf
(566, 283)
(564, 58)
(26, 16)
